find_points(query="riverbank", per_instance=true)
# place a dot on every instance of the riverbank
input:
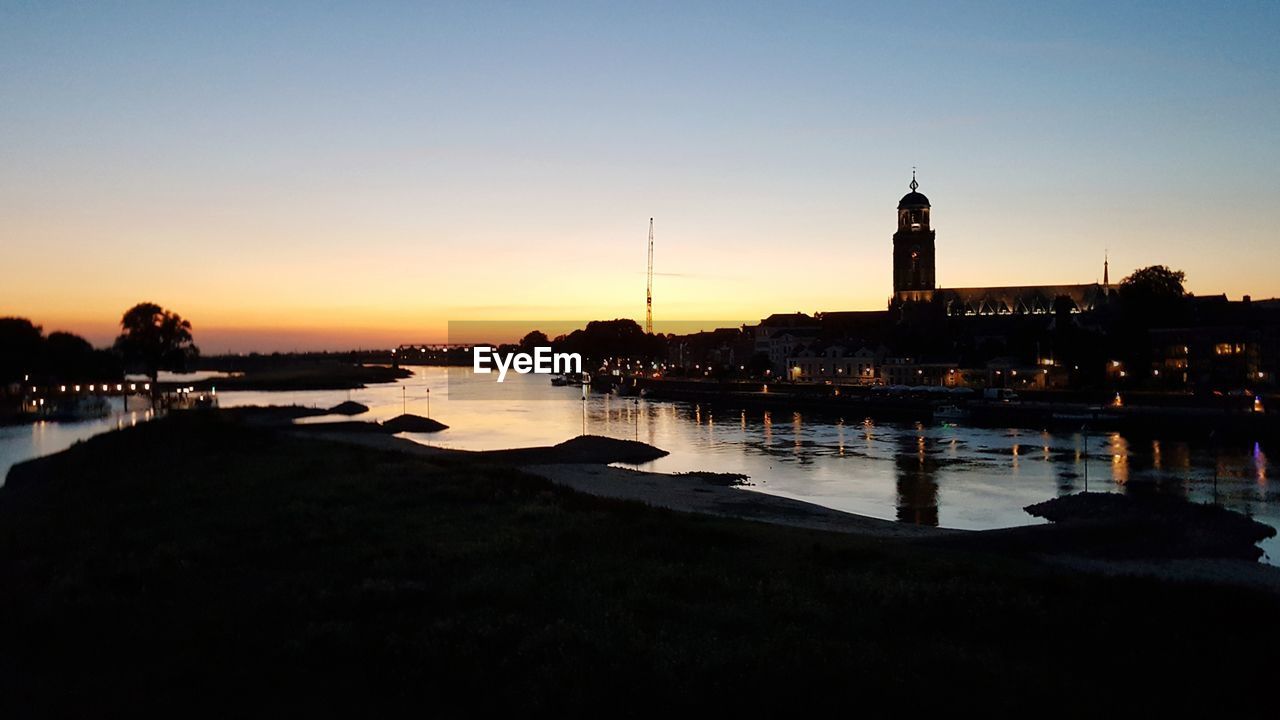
(314, 375)
(582, 464)
(258, 570)
(1151, 536)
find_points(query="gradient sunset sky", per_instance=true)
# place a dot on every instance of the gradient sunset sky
(331, 175)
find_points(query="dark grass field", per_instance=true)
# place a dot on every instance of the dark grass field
(199, 566)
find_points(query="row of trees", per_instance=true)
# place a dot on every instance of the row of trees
(151, 339)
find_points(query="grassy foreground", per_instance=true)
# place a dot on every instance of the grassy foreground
(196, 565)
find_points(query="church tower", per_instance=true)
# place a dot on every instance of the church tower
(913, 259)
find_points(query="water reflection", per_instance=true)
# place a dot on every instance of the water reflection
(917, 482)
(19, 443)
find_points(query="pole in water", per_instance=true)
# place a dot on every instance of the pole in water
(404, 400)
(428, 402)
(1085, 428)
(1214, 444)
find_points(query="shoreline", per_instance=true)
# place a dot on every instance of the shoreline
(248, 560)
(1088, 548)
(683, 493)
(586, 468)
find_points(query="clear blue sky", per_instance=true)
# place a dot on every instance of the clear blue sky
(328, 174)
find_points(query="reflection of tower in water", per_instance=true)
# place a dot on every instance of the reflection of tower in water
(917, 482)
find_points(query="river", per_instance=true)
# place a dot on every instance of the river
(938, 474)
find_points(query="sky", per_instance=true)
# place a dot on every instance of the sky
(293, 176)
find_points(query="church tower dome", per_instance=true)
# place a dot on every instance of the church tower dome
(913, 199)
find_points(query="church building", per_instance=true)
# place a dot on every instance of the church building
(914, 278)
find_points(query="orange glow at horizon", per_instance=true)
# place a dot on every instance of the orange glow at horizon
(405, 288)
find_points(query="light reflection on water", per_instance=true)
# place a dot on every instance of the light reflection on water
(946, 475)
(23, 442)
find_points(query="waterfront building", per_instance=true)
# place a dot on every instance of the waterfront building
(914, 372)
(780, 335)
(1224, 344)
(834, 363)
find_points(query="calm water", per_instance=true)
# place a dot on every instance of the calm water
(23, 442)
(951, 476)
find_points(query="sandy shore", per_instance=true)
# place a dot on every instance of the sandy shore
(690, 494)
(685, 493)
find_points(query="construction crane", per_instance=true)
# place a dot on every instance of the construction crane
(648, 291)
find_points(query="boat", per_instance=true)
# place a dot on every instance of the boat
(950, 412)
(569, 379)
(90, 407)
(1096, 417)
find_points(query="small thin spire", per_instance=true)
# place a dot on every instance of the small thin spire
(1106, 268)
(914, 184)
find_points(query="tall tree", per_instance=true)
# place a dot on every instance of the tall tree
(156, 339)
(69, 357)
(1156, 282)
(1152, 297)
(20, 343)
(535, 338)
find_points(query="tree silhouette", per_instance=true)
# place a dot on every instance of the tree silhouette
(156, 339)
(535, 338)
(1155, 282)
(19, 348)
(1151, 297)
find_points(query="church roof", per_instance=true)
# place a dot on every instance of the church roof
(913, 198)
(795, 319)
(1020, 300)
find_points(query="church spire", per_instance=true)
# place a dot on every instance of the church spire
(1106, 270)
(914, 184)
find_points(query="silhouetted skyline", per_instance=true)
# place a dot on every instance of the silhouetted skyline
(303, 177)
